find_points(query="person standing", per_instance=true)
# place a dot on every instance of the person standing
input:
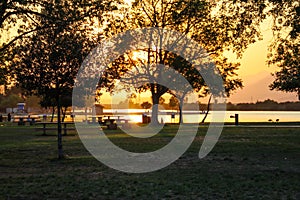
(8, 117)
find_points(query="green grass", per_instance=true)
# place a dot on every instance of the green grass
(246, 163)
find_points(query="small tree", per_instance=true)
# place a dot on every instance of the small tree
(47, 61)
(10, 101)
(173, 102)
(161, 101)
(32, 101)
(146, 105)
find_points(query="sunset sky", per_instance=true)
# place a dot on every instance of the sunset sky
(255, 73)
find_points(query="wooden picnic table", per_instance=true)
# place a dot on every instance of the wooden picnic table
(113, 121)
(64, 126)
(22, 120)
(110, 121)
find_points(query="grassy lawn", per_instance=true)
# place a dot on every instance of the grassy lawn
(246, 163)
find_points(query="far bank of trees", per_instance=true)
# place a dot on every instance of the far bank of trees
(267, 105)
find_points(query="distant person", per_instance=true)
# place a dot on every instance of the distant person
(44, 117)
(8, 117)
(1, 118)
(72, 116)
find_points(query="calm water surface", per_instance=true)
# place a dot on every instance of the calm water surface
(193, 117)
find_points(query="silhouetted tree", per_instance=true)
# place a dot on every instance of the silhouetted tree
(10, 101)
(20, 19)
(26, 16)
(215, 27)
(173, 102)
(284, 51)
(146, 105)
(46, 61)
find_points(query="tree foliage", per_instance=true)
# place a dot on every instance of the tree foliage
(173, 102)
(146, 105)
(20, 19)
(27, 16)
(216, 25)
(46, 61)
(284, 51)
(10, 101)
(11, 98)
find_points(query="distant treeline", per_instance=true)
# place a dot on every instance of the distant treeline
(267, 105)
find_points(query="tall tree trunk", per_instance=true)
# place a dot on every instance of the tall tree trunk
(62, 114)
(85, 113)
(5, 88)
(207, 110)
(154, 116)
(63, 111)
(59, 135)
(181, 101)
(180, 110)
(52, 116)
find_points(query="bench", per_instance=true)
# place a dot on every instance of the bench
(110, 123)
(54, 129)
(123, 122)
(64, 127)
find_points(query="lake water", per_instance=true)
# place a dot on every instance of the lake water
(135, 115)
